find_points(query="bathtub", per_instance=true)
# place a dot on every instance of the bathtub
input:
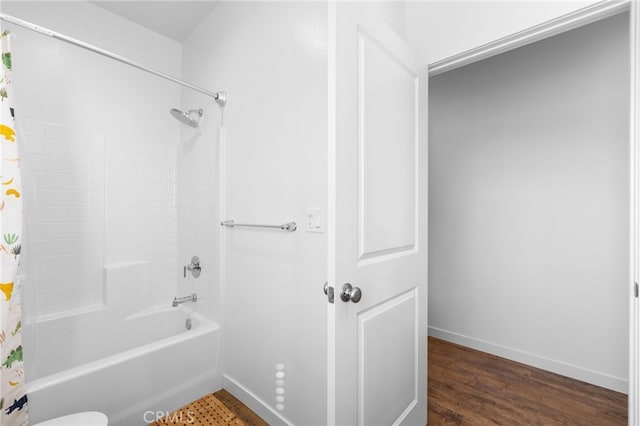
(156, 366)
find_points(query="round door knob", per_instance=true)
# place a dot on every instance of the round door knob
(350, 293)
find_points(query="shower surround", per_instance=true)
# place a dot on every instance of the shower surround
(106, 186)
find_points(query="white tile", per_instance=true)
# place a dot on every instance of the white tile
(95, 275)
(56, 197)
(56, 214)
(30, 212)
(78, 245)
(85, 230)
(56, 131)
(54, 280)
(58, 164)
(78, 183)
(40, 178)
(53, 264)
(114, 293)
(96, 183)
(35, 144)
(96, 141)
(57, 147)
(86, 295)
(90, 261)
(80, 277)
(78, 214)
(77, 165)
(78, 198)
(96, 199)
(112, 274)
(32, 127)
(35, 248)
(52, 180)
(96, 245)
(96, 163)
(58, 246)
(97, 216)
(56, 230)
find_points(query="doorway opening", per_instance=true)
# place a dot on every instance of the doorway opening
(530, 207)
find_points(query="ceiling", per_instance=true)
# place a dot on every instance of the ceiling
(174, 19)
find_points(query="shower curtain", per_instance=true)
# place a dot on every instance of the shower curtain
(13, 397)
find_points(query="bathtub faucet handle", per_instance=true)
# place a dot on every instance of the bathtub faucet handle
(194, 267)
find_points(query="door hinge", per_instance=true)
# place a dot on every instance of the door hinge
(635, 289)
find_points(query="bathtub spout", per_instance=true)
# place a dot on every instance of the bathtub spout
(179, 300)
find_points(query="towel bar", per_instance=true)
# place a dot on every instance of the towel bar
(289, 226)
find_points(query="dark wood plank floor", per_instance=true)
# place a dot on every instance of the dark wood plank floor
(468, 387)
(239, 409)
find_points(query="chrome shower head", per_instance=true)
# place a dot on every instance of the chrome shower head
(185, 117)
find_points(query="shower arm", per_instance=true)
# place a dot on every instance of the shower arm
(195, 111)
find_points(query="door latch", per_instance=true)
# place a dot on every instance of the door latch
(329, 291)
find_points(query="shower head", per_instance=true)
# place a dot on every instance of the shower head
(186, 118)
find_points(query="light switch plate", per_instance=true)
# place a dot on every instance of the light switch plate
(315, 220)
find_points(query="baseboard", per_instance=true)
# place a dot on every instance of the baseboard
(596, 378)
(252, 401)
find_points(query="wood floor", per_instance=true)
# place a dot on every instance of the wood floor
(468, 387)
(239, 409)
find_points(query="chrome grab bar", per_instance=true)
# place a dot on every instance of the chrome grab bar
(289, 226)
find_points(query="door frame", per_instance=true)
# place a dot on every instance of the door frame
(578, 18)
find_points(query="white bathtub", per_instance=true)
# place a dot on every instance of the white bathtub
(156, 365)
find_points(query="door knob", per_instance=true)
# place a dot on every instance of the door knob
(350, 292)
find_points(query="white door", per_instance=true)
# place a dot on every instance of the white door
(377, 223)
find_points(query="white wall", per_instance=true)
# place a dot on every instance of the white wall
(392, 12)
(529, 204)
(271, 60)
(98, 164)
(440, 29)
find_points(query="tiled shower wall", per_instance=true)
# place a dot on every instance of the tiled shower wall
(99, 158)
(79, 235)
(64, 215)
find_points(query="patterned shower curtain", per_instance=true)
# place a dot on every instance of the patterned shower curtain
(13, 398)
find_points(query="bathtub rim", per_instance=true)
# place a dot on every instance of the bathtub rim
(204, 325)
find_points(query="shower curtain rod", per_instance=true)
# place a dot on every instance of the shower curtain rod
(220, 97)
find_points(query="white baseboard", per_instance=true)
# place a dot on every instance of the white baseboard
(252, 401)
(594, 377)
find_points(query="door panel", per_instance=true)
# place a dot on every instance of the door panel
(388, 358)
(387, 150)
(377, 223)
